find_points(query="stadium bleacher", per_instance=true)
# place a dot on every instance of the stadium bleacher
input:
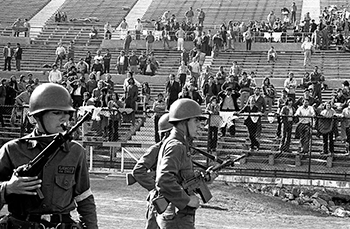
(333, 64)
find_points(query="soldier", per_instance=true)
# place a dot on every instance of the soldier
(175, 166)
(148, 162)
(64, 181)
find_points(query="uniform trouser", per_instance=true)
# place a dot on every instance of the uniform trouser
(18, 65)
(151, 217)
(107, 66)
(7, 63)
(138, 34)
(60, 59)
(269, 104)
(177, 221)
(328, 141)
(305, 135)
(293, 17)
(156, 134)
(252, 130)
(286, 136)
(182, 78)
(213, 137)
(180, 44)
(279, 126)
(307, 57)
(113, 126)
(149, 47)
(248, 44)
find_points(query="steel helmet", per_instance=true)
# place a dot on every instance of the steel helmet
(183, 109)
(163, 123)
(50, 96)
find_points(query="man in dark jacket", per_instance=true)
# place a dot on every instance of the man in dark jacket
(172, 89)
(18, 56)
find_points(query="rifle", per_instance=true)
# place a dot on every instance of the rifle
(36, 165)
(197, 184)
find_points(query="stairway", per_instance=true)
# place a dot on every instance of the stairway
(38, 21)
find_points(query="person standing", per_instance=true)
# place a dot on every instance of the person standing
(201, 17)
(60, 54)
(290, 85)
(248, 39)
(269, 92)
(113, 121)
(8, 53)
(131, 95)
(122, 63)
(107, 61)
(165, 38)
(286, 114)
(149, 42)
(145, 169)
(127, 42)
(304, 127)
(180, 35)
(172, 89)
(189, 14)
(64, 182)
(18, 56)
(138, 29)
(70, 50)
(175, 166)
(26, 25)
(307, 48)
(182, 72)
(317, 79)
(293, 16)
(159, 107)
(326, 126)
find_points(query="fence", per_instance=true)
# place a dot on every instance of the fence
(269, 141)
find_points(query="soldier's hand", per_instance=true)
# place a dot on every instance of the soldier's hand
(22, 185)
(194, 201)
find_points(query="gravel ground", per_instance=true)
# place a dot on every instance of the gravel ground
(123, 207)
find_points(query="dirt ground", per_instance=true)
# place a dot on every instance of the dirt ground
(123, 207)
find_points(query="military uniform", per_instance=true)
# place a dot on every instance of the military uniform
(175, 166)
(65, 185)
(147, 179)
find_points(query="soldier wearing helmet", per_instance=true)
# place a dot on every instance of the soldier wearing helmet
(64, 181)
(175, 165)
(148, 162)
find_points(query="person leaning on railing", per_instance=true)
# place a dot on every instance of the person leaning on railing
(303, 130)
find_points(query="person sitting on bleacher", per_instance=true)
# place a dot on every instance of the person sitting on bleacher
(338, 101)
(271, 55)
(93, 33)
(55, 76)
(305, 81)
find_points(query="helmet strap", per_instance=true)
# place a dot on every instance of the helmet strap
(41, 122)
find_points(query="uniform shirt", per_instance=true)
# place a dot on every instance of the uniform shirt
(174, 166)
(147, 162)
(65, 179)
(302, 111)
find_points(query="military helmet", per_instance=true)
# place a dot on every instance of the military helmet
(183, 109)
(163, 123)
(50, 96)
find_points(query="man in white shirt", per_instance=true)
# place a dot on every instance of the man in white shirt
(60, 54)
(55, 75)
(305, 114)
(138, 29)
(307, 48)
(180, 35)
(290, 86)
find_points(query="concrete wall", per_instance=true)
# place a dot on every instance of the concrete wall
(24, 41)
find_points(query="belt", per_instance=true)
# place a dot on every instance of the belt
(52, 218)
